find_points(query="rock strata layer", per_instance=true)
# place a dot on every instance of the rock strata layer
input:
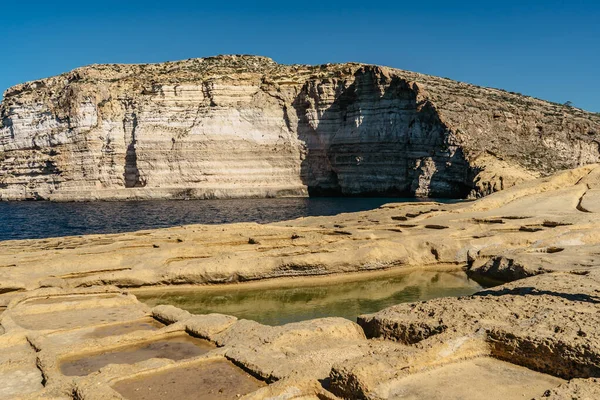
(244, 126)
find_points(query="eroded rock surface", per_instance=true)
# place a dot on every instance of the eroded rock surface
(531, 229)
(326, 358)
(243, 126)
(536, 335)
(544, 323)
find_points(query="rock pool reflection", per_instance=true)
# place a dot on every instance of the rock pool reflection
(297, 302)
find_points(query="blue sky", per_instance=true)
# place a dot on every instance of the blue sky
(547, 49)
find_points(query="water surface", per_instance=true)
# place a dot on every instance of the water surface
(349, 299)
(29, 220)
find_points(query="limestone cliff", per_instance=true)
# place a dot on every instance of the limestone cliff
(245, 126)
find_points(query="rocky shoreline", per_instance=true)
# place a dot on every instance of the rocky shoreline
(65, 300)
(547, 225)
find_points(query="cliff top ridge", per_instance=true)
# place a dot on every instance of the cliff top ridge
(194, 69)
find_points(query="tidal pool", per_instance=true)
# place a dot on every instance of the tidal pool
(303, 300)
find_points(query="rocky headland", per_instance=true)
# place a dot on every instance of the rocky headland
(72, 329)
(245, 126)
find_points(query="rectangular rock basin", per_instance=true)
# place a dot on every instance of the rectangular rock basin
(480, 378)
(146, 324)
(212, 380)
(75, 336)
(71, 319)
(174, 348)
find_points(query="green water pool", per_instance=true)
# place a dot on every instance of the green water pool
(278, 305)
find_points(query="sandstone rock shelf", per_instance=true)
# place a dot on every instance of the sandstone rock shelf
(536, 335)
(533, 228)
(428, 349)
(245, 126)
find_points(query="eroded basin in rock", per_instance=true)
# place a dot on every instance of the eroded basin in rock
(146, 324)
(468, 380)
(174, 348)
(214, 380)
(69, 299)
(314, 298)
(70, 319)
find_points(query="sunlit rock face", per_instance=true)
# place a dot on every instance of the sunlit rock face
(244, 126)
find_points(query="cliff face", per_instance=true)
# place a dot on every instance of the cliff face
(242, 126)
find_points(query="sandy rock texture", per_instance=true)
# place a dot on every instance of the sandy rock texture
(245, 126)
(68, 332)
(546, 323)
(133, 352)
(75, 356)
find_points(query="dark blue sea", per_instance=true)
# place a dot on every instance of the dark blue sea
(29, 220)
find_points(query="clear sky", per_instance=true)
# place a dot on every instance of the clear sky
(548, 49)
